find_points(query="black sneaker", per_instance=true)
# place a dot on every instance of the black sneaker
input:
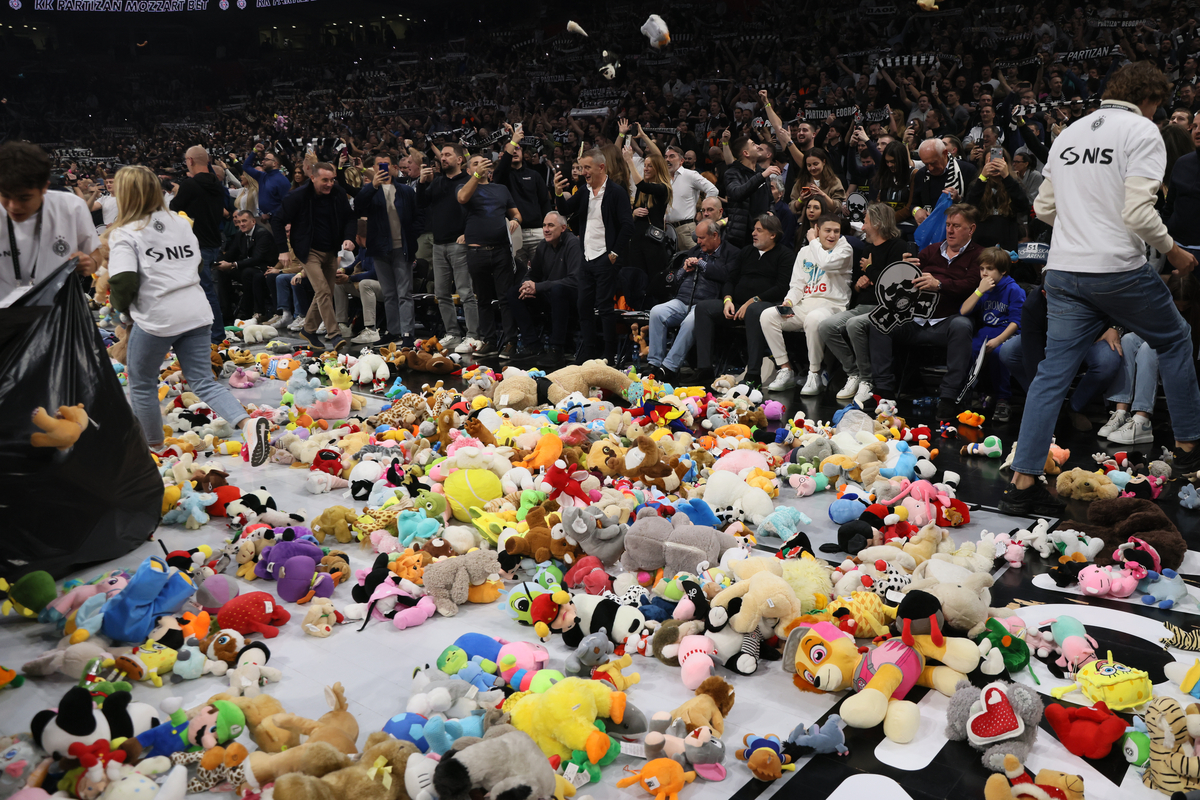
(947, 410)
(314, 341)
(554, 355)
(1003, 412)
(1185, 462)
(1036, 501)
(488, 349)
(530, 350)
(508, 351)
(336, 344)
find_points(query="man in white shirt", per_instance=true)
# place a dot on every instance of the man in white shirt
(1099, 189)
(687, 186)
(39, 229)
(106, 204)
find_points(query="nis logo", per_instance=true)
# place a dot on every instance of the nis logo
(171, 253)
(1091, 155)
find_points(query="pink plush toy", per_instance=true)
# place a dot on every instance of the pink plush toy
(773, 409)
(1097, 581)
(242, 379)
(516, 656)
(695, 658)
(919, 498)
(804, 485)
(336, 408)
(1014, 550)
(739, 460)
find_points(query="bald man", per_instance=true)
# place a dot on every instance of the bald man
(202, 197)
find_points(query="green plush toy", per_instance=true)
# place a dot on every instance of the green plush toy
(29, 595)
(999, 647)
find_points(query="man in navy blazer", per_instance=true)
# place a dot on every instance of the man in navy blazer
(605, 227)
(390, 209)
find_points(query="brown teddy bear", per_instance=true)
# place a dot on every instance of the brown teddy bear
(539, 543)
(270, 739)
(429, 358)
(602, 452)
(644, 462)
(710, 706)
(337, 727)
(477, 430)
(520, 391)
(1079, 484)
(377, 775)
(1114, 521)
(336, 520)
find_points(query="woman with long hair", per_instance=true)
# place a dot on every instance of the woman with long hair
(818, 178)
(648, 248)
(892, 184)
(1003, 206)
(247, 196)
(618, 170)
(154, 278)
(807, 214)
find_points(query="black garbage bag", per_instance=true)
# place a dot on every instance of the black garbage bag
(101, 498)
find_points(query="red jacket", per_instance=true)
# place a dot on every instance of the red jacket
(958, 278)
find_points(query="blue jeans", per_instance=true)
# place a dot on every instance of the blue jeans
(143, 361)
(395, 275)
(288, 297)
(668, 315)
(1101, 363)
(1078, 303)
(1137, 381)
(208, 257)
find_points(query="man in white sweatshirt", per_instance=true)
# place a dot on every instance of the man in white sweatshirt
(820, 288)
(1101, 182)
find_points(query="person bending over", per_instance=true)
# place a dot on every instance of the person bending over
(168, 308)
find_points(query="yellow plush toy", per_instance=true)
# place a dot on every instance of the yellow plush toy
(335, 520)
(62, 430)
(562, 719)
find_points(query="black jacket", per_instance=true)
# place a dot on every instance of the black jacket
(258, 252)
(996, 229)
(749, 196)
(203, 199)
(296, 209)
(766, 276)
(705, 284)
(555, 266)
(447, 216)
(615, 211)
(528, 190)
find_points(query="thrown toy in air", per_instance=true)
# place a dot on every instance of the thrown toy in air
(656, 31)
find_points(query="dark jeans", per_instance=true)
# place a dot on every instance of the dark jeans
(255, 295)
(710, 315)
(208, 257)
(597, 288)
(493, 278)
(553, 304)
(953, 334)
(286, 297)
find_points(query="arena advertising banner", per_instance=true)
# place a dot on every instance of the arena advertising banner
(146, 6)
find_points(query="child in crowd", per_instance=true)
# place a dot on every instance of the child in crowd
(820, 288)
(996, 306)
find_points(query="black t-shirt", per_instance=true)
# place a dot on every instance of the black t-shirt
(881, 255)
(487, 214)
(325, 235)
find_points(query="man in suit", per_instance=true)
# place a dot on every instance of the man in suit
(605, 228)
(246, 258)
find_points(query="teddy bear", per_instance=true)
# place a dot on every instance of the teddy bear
(377, 775)
(450, 581)
(1079, 484)
(653, 542)
(250, 771)
(1001, 719)
(1015, 783)
(518, 390)
(337, 727)
(1116, 521)
(61, 430)
(335, 520)
(761, 602)
(540, 542)
(321, 618)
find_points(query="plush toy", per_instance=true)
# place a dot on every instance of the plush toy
(518, 390)
(708, 709)
(1079, 484)
(1170, 768)
(765, 757)
(254, 612)
(1086, 732)
(191, 663)
(1015, 783)
(661, 777)
(335, 520)
(699, 750)
(562, 719)
(507, 764)
(598, 534)
(213, 724)
(377, 775)
(1120, 687)
(1000, 719)
(653, 542)
(828, 738)
(320, 618)
(1075, 646)
(540, 542)
(449, 582)
(766, 602)
(824, 659)
(593, 651)
(1166, 590)
(61, 431)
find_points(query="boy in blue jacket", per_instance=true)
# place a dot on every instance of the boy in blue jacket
(996, 306)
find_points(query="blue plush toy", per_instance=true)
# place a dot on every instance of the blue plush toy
(698, 512)
(412, 525)
(905, 467)
(848, 507)
(1166, 590)
(441, 733)
(1189, 497)
(408, 728)
(304, 392)
(784, 523)
(191, 509)
(827, 738)
(397, 390)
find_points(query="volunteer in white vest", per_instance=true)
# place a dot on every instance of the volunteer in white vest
(1101, 182)
(39, 229)
(154, 278)
(688, 188)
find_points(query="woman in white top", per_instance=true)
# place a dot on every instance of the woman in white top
(820, 288)
(247, 196)
(154, 278)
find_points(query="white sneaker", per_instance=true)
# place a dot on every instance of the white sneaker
(451, 342)
(864, 393)
(1138, 430)
(784, 379)
(367, 336)
(1115, 422)
(850, 389)
(286, 320)
(321, 329)
(813, 385)
(296, 324)
(345, 330)
(275, 320)
(468, 346)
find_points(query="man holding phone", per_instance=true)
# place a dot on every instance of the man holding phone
(390, 209)
(492, 216)
(529, 193)
(438, 195)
